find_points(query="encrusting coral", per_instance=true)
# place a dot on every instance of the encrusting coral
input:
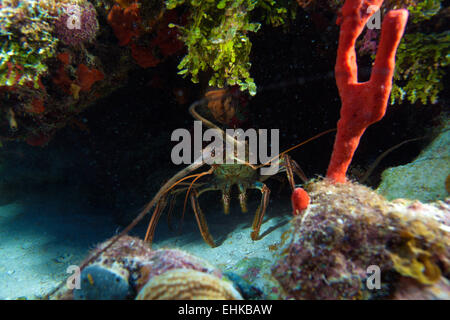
(347, 228)
(34, 36)
(30, 33)
(77, 24)
(52, 65)
(125, 22)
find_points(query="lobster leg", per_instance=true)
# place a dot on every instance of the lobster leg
(259, 215)
(226, 197)
(292, 167)
(298, 171)
(200, 217)
(242, 197)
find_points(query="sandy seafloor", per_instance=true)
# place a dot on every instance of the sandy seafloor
(40, 238)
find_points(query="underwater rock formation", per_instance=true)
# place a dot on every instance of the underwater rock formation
(100, 283)
(129, 267)
(56, 59)
(348, 231)
(163, 260)
(38, 90)
(26, 41)
(424, 178)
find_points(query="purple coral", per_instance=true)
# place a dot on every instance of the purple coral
(77, 24)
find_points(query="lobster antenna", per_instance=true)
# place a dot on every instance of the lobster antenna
(298, 145)
(181, 180)
(208, 123)
(384, 154)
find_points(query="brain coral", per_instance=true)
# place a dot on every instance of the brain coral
(185, 284)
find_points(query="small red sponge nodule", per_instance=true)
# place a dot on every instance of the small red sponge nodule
(300, 201)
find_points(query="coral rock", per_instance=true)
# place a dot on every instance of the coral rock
(183, 284)
(347, 228)
(100, 283)
(163, 260)
(133, 258)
